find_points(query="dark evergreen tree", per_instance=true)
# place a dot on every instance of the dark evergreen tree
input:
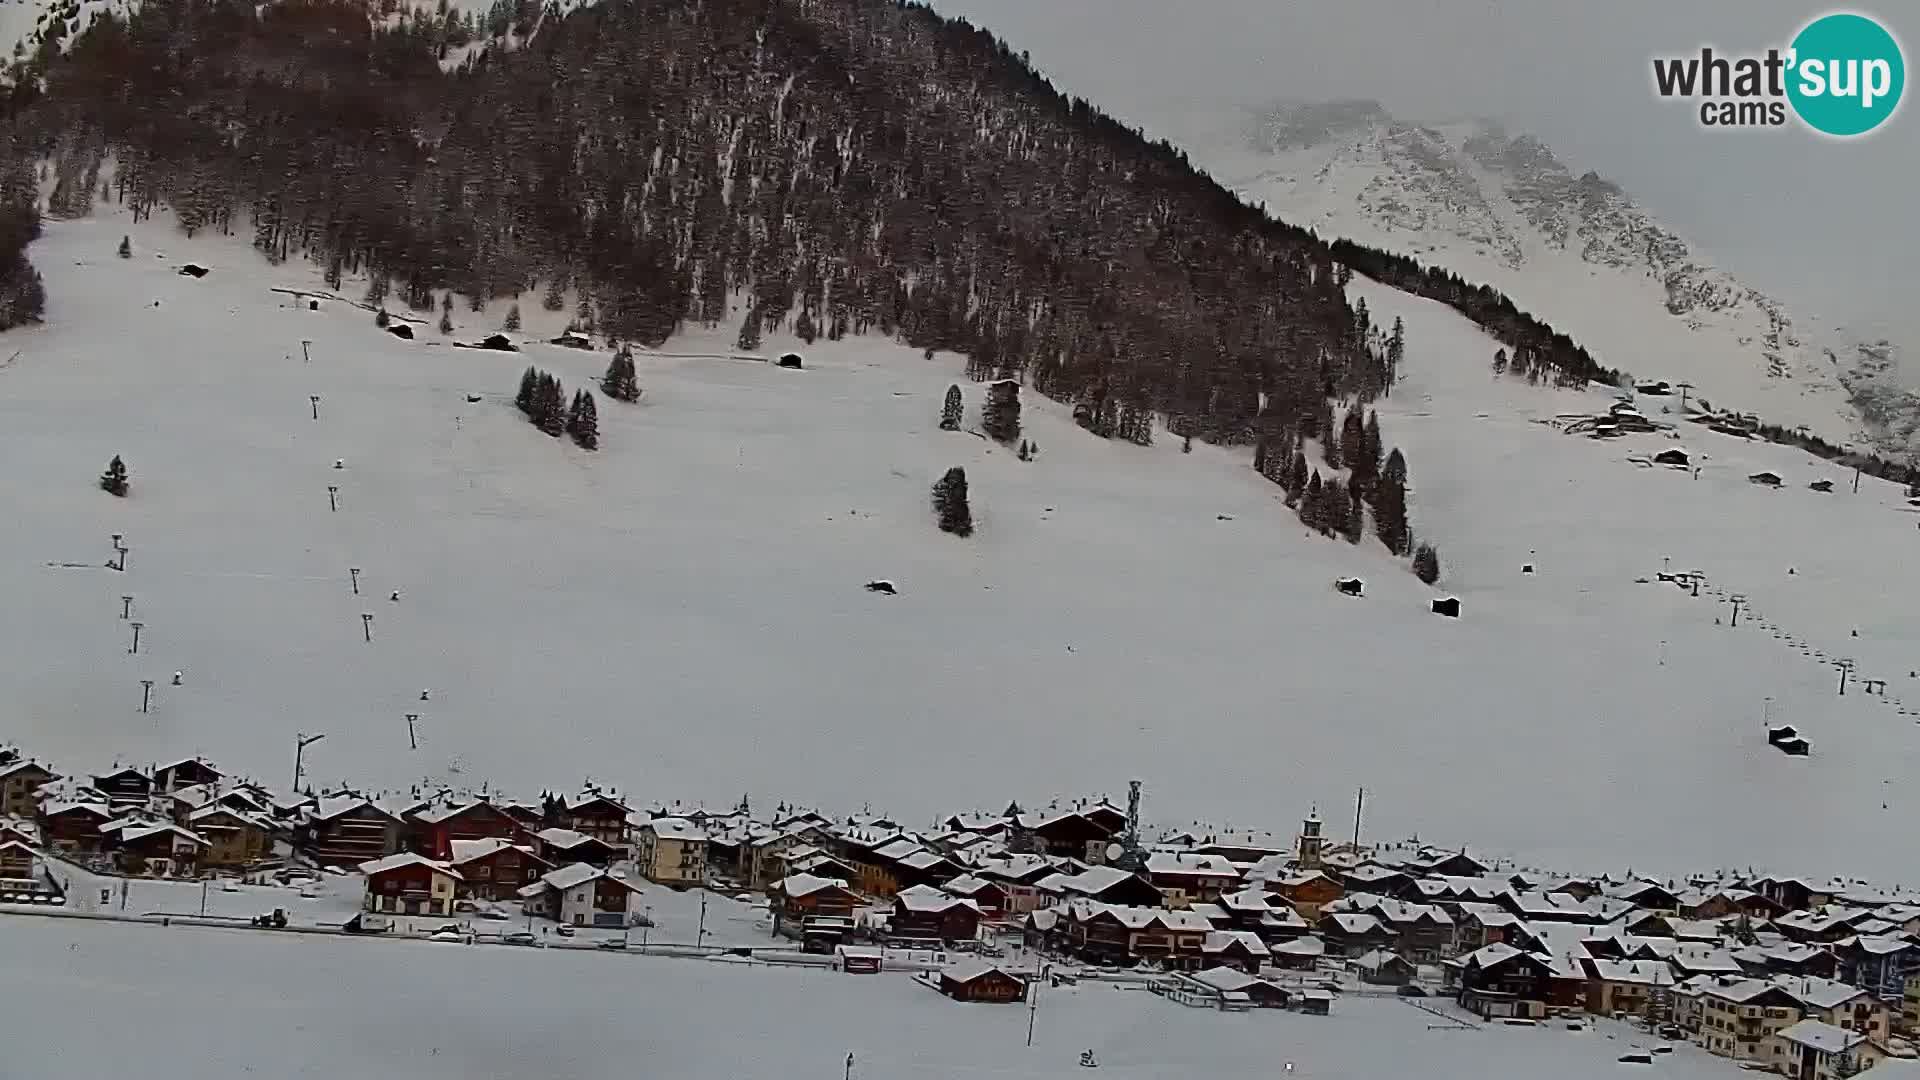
(749, 339)
(126, 248)
(803, 327)
(529, 386)
(950, 503)
(952, 411)
(381, 318)
(1000, 417)
(1296, 479)
(1390, 505)
(446, 321)
(1499, 361)
(1312, 503)
(1396, 349)
(1353, 444)
(556, 298)
(1355, 526)
(1370, 446)
(1260, 454)
(114, 480)
(1026, 451)
(1426, 564)
(620, 382)
(1186, 444)
(583, 421)
(512, 323)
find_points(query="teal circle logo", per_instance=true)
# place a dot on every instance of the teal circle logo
(1847, 74)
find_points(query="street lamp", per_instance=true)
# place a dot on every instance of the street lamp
(300, 744)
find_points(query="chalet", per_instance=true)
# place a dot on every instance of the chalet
(1581, 889)
(1813, 1050)
(1725, 904)
(1791, 893)
(1841, 1005)
(1879, 965)
(1616, 987)
(672, 851)
(1070, 835)
(989, 896)
(188, 772)
(16, 861)
(1501, 981)
(409, 884)
(234, 838)
(1350, 934)
(1439, 862)
(560, 847)
(1821, 926)
(1381, 968)
(1183, 877)
(984, 824)
(1242, 849)
(347, 830)
(1765, 479)
(764, 860)
(921, 867)
(982, 982)
(1823, 486)
(1647, 895)
(922, 912)
(1240, 949)
(435, 828)
(802, 899)
(581, 895)
(125, 788)
(1793, 959)
(1299, 954)
(495, 869)
(1105, 885)
(820, 864)
(1315, 1002)
(1376, 879)
(1019, 875)
(1556, 907)
(1480, 925)
(19, 831)
(74, 826)
(1308, 892)
(1422, 932)
(598, 815)
(1673, 455)
(20, 784)
(1106, 816)
(1737, 1018)
(1127, 936)
(1263, 913)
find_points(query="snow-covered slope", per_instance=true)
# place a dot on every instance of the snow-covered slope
(1499, 208)
(27, 25)
(683, 613)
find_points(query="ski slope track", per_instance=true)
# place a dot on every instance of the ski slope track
(682, 614)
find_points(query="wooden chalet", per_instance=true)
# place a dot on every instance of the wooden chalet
(1500, 981)
(563, 846)
(1070, 835)
(598, 815)
(925, 913)
(1126, 936)
(1352, 934)
(1104, 885)
(189, 772)
(801, 899)
(1240, 949)
(1382, 968)
(989, 896)
(155, 849)
(16, 861)
(409, 884)
(125, 788)
(346, 830)
(235, 839)
(495, 869)
(434, 829)
(1186, 877)
(581, 895)
(20, 784)
(1308, 891)
(75, 826)
(982, 982)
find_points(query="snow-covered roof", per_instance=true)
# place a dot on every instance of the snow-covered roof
(406, 859)
(1222, 940)
(561, 838)
(1400, 912)
(967, 885)
(215, 810)
(1138, 918)
(923, 860)
(1301, 946)
(1818, 993)
(1376, 959)
(1705, 959)
(1227, 980)
(927, 900)
(1188, 864)
(806, 884)
(463, 851)
(573, 874)
(967, 971)
(898, 849)
(21, 766)
(1822, 1036)
(675, 829)
(1355, 924)
(1637, 972)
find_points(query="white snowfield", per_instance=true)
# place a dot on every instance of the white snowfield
(682, 614)
(220, 1004)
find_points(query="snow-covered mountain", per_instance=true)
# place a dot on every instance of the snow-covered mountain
(1498, 207)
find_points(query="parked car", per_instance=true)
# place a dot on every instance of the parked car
(614, 943)
(448, 928)
(1411, 991)
(492, 916)
(446, 935)
(519, 938)
(565, 931)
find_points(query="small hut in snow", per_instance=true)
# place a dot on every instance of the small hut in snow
(1821, 485)
(1350, 586)
(790, 360)
(1673, 455)
(1765, 479)
(1448, 606)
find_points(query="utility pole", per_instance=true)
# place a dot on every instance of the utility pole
(1033, 999)
(146, 694)
(300, 744)
(1856, 478)
(849, 1074)
(314, 400)
(1737, 600)
(412, 742)
(126, 607)
(1683, 388)
(203, 897)
(304, 354)
(366, 624)
(333, 497)
(136, 637)
(1846, 668)
(700, 938)
(354, 573)
(1359, 804)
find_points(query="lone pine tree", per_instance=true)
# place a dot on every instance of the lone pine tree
(950, 503)
(126, 248)
(550, 409)
(381, 318)
(1390, 505)
(1001, 415)
(952, 410)
(1426, 564)
(583, 421)
(512, 324)
(620, 382)
(529, 384)
(114, 480)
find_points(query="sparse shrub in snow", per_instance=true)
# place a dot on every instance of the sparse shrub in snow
(381, 318)
(126, 248)
(1426, 564)
(950, 503)
(1025, 453)
(114, 480)
(952, 411)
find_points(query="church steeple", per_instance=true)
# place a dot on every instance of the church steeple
(1309, 848)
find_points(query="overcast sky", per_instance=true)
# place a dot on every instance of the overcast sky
(1829, 226)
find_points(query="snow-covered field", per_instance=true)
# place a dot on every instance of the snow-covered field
(682, 614)
(218, 1004)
